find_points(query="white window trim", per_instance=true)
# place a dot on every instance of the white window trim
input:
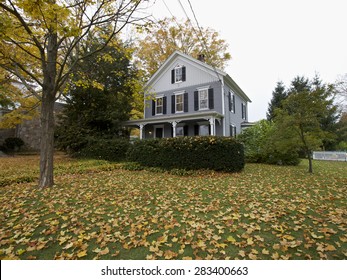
(232, 126)
(156, 105)
(232, 105)
(244, 111)
(199, 91)
(176, 94)
(176, 68)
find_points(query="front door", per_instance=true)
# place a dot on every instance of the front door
(159, 132)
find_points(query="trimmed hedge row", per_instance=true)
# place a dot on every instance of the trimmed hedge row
(106, 149)
(190, 153)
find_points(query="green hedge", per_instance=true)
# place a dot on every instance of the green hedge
(106, 149)
(190, 153)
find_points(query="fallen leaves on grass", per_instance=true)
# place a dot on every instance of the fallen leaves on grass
(266, 212)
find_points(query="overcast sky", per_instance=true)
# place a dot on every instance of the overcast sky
(273, 40)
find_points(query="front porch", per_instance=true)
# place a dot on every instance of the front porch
(203, 124)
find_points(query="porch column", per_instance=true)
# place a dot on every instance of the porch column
(174, 124)
(141, 131)
(213, 126)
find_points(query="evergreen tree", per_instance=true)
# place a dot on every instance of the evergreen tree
(100, 97)
(307, 116)
(278, 95)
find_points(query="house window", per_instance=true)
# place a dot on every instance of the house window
(232, 102)
(232, 130)
(178, 74)
(179, 131)
(244, 111)
(179, 103)
(203, 99)
(204, 130)
(159, 106)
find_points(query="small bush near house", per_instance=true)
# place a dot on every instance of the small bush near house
(106, 149)
(189, 153)
(12, 144)
(262, 146)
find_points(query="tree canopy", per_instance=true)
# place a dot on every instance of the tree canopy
(160, 40)
(100, 97)
(306, 115)
(41, 43)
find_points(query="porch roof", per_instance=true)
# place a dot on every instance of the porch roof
(174, 118)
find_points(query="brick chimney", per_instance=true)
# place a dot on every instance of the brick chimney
(201, 57)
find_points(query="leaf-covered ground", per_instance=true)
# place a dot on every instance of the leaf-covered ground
(99, 211)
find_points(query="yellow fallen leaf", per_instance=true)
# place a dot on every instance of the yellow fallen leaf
(187, 258)
(289, 237)
(153, 249)
(250, 241)
(330, 248)
(252, 256)
(169, 255)
(265, 252)
(97, 250)
(242, 253)
(316, 236)
(20, 252)
(201, 244)
(275, 256)
(105, 251)
(221, 245)
(231, 239)
(82, 254)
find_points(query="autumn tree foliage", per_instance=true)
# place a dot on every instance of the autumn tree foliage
(306, 117)
(15, 101)
(41, 43)
(160, 40)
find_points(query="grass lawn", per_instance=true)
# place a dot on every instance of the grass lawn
(97, 210)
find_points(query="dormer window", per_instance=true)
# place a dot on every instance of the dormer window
(178, 74)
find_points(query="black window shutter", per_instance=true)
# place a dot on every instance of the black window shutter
(210, 98)
(153, 108)
(164, 104)
(234, 103)
(196, 100)
(173, 104)
(242, 111)
(183, 74)
(172, 76)
(229, 100)
(185, 98)
(196, 130)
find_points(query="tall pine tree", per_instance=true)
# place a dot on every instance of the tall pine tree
(278, 95)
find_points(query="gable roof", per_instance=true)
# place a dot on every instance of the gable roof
(219, 73)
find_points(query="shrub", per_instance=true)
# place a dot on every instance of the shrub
(12, 144)
(106, 149)
(190, 153)
(262, 145)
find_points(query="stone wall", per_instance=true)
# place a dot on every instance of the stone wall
(29, 130)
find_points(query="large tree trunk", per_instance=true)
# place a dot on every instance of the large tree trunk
(47, 142)
(309, 156)
(47, 113)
